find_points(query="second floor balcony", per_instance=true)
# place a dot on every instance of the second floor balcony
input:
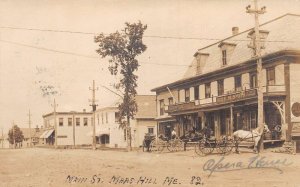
(229, 97)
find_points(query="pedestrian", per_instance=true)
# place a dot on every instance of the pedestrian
(173, 134)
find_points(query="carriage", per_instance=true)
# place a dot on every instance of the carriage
(206, 145)
(161, 143)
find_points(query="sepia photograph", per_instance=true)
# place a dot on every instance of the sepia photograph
(149, 93)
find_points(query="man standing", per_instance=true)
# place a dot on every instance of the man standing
(173, 134)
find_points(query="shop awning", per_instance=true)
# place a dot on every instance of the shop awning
(47, 133)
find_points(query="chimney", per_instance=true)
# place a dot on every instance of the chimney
(235, 30)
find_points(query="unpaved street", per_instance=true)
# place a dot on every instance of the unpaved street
(49, 167)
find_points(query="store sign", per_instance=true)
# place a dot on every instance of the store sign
(296, 109)
(236, 96)
(181, 107)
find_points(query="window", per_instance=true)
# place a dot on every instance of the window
(224, 57)
(271, 76)
(170, 100)
(70, 121)
(117, 115)
(161, 107)
(253, 80)
(61, 121)
(85, 121)
(77, 121)
(102, 118)
(187, 95)
(124, 134)
(106, 117)
(207, 90)
(238, 83)
(220, 87)
(196, 92)
(151, 130)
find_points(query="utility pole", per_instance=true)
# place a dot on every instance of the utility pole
(2, 137)
(257, 54)
(74, 130)
(93, 100)
(29, 122)
(55, 125)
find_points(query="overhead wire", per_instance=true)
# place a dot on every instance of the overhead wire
(146, 36)
(77, 54)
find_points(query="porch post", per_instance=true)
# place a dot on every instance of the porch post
(231, 122)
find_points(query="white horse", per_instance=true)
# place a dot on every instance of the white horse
(254, 135)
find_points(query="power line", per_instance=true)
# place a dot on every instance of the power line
(146, 36)
(47, 49)
(76, 54)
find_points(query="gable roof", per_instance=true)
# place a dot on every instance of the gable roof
(283, 35)
(34, 133)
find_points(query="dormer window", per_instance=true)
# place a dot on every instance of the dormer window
(224, 57)
(227, 50)
(201, 59)
(263, 35)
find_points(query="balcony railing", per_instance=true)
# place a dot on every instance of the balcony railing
(274, 88)
(230, 97)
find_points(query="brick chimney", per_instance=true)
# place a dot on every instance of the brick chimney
(235, 30)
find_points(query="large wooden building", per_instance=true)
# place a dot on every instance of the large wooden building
(219, 88)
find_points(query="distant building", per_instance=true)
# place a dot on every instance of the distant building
(110, 134)
(35, 136)
(72, 128)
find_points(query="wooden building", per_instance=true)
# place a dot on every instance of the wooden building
(219, 88)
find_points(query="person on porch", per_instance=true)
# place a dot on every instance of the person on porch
(173, 134)
(206, 131)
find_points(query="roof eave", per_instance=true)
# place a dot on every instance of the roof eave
(173, 84)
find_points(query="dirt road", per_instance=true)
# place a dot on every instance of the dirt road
(49, 167)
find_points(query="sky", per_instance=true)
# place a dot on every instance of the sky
(32, 59)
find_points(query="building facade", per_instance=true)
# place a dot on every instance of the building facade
(73, 128)
(110, 134)
(219, 89)
(34, 135)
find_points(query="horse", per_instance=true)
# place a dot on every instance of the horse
(254, 135)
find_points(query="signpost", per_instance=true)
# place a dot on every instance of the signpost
(296, 109)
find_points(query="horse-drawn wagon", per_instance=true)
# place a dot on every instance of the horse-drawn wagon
(153, 144)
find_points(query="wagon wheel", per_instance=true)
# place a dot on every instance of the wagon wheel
(225, 146)
(176, 145)
(203, 148)
(170, 145)
(157, 146)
